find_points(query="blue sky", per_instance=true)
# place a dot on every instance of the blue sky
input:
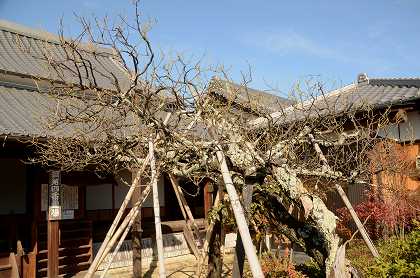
(283, 41)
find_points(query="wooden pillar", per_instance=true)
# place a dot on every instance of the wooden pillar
(53, 243)
(215, 259)
(136, 233)
(54, 215)
(208, 194)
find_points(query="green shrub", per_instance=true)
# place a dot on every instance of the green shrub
(399, 257)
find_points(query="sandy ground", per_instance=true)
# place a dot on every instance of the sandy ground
(176, 267)
(180, 267)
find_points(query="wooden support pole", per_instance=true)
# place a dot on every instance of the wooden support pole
(127, 220)
(117, 248)
(185, 209)
(346, 201)
(189, 237)
(94, 266)
(187, 230)
(156, 210)
(239, 259)
(239, 214)
(99, 256)
(136, 234)
(356, 219)
(125, 226)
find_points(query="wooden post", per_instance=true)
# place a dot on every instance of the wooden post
(156, 210)
(207, 238)
(124, 229)
(53, 245)
(207, 199)
(54, 214)
(239, 259)
(186, 213)
(101, 252)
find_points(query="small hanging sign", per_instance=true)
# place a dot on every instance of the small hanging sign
(54, 196)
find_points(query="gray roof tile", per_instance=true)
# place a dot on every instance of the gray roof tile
(248, 97)
(373, 94)
(22, 52)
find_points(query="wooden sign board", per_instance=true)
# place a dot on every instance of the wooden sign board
(54, 196)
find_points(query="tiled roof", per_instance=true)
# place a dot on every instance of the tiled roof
(22, 111)
(22, 52)
(248, 97)
(375, 93)
(28, 113)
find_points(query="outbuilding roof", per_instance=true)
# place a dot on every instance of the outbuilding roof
(365, 93)
(248, 98)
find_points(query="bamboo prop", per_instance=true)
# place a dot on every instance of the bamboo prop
(189, 237)
(133, 213)
(136, 207)
(120, 242)
(186, 211)
(207, 239)
(346, 201)
(239, 256)
(188, 233)
(126, 223)
(94, 266)
(156, 210)
(356, 219)
(238, 211)
(114, 238)
(101, 252)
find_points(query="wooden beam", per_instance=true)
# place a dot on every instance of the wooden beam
(121, 211)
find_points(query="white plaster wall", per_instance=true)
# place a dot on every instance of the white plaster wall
(408, 131)
(12, 186)
(121, 191)
(99, 197)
